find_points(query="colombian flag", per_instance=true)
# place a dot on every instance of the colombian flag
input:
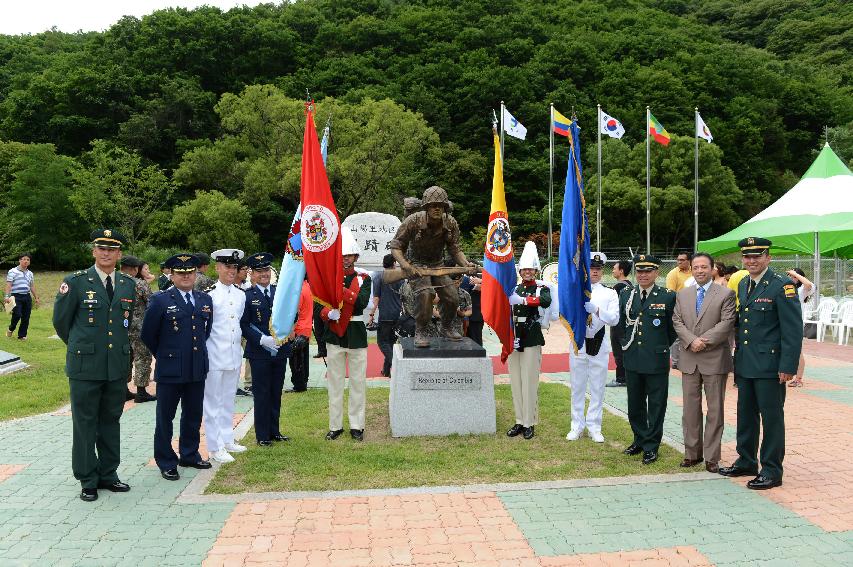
(499, 278)
(657, 131)
(561, 124)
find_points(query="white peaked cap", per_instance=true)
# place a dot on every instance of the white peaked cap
(348, 242)
(529, 257)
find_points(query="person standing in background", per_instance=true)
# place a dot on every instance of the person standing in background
(472, 285)
(805, 290)
(621, 271)
(20, 285)
(387, 298)
(139, 353)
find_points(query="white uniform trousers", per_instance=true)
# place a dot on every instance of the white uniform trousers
(588, 371)
(337, 359)
(219, 391)
(524, 380)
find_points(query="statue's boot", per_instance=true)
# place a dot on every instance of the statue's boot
(421, 339)
(450, 334)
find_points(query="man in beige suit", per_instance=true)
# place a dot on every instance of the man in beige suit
(704, 317)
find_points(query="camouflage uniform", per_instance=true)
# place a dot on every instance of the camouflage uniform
(464, 305)
(141, 356)
(203, 281)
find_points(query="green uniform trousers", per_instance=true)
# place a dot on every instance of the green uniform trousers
(647, 395)
(764, 399)
(96, 407)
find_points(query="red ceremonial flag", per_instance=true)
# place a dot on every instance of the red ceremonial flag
(321, 227)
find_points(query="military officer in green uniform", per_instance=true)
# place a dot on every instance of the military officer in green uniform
(92, 315)
(769, 341)
(645, 315)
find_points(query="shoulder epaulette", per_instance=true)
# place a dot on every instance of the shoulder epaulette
(78, 273)
(209, 288)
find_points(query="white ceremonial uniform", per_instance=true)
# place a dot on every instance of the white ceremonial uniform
(589, 370)
(225, 355)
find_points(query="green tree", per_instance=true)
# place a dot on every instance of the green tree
(212, 221)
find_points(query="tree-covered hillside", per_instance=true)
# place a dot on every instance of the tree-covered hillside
(181, 104)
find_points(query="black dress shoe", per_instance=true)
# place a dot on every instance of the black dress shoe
(649, 457)
(143, 396)
(280, 437)
(357, 434)
(332, 435)
(199, 464)
(265, 443)
(515, 430)
(633, 449)
(89, 494)
(528, 432)
(170, 474)
(129, 395)
(115, 486)
(762, 482)
(689, 463)
(735, 471)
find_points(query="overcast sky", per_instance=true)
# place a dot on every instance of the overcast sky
(34, 16)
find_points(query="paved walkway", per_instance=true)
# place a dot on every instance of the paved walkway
(697, 519)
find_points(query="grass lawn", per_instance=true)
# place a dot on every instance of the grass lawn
(309, 462)
(43, 387)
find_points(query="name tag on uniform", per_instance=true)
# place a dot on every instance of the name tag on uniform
(763, 300)
(657, 306)
(90, 301)
(171, 309)
(126, 300)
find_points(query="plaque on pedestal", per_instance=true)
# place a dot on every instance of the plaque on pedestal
(445, 389)
(10, 362)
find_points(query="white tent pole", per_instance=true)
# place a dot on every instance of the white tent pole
(817, 269)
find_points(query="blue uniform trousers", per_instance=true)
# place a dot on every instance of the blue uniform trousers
(267, 383)
(191, 397)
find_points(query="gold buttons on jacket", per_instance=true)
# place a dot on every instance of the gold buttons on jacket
(111, 346)
(746, 342)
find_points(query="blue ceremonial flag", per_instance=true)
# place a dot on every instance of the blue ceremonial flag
(573, 285)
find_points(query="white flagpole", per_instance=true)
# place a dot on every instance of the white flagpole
(502, 137)
(550, 181)
(648, 189)
(598, 212)
(696, 176)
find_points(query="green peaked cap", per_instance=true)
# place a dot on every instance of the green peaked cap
(826, 165)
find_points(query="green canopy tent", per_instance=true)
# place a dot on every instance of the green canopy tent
(814, 217)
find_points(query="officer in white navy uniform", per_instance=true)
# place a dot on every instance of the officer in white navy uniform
(589, 366)
(225, 355)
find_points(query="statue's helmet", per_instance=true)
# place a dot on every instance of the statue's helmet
(411, 205)
(436, 195)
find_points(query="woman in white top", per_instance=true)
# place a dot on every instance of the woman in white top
(805, 288)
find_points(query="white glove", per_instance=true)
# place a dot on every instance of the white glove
(334, 314)
(268, 342)
(516, 344)
(516, 299)
(590, 307)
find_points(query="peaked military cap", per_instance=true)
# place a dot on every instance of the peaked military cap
(754, 246)
(203, 259)
(131, 261)
(228, 256)
(646, 262)
(259, 260)
(107, 238)
(597, 259)
(182, 263)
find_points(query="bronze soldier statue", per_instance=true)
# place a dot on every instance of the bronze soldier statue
(419, 247)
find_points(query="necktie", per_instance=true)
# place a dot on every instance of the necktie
(643, 295)
(700, 297)
(189, 299)
(267, 293)
(109, 286)
(750, 287)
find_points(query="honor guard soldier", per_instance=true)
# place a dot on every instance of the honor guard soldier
(769, 341)
(267, 358)
(164, 281)
(346, 345)
(91, 315)
(225, 356)
(645, 314)
(202, 281)
(176, 327)
(589, 365)
(526, 359)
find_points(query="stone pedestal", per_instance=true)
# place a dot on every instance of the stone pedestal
(10, 362)
(441, 390)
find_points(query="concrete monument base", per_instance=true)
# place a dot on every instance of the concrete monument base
(445, 389)
(11, 362)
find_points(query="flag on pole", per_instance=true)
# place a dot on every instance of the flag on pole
(513, 127)
(560, 124)
(702, 130)
(324, 143)
(499, 278)
(320, 226)
(573, 283)
(657, 131)
(611, 126)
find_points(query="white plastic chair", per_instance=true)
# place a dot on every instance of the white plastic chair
(826, 312)
(845, 322)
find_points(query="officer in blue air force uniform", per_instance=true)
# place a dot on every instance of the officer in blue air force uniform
(175, 329)
(267, 358)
